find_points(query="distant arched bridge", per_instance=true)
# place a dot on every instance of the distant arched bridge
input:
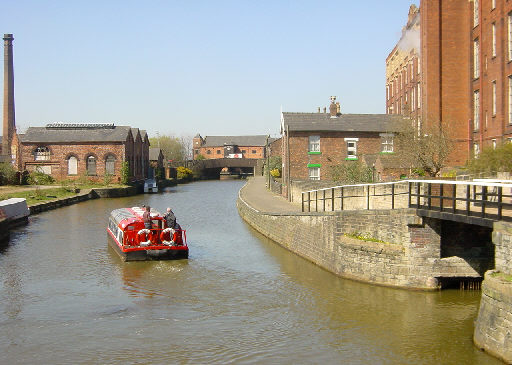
(233, 166)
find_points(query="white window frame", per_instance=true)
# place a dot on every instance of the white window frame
(493, 39)
(493, 143)
(476, 110)
(476, 149)
(509, 34)
(419, 96)
(351, 148)
(42, 154)
(386, 140)
(314, 173)
(475, 13)
(510, 99)
(72, 165)
(493, 98)
(476, 58)
(314, 144)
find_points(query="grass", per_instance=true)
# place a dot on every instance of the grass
(38, 195)
(362, 237)
(502, 276)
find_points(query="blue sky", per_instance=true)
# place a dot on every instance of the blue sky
(208, 67)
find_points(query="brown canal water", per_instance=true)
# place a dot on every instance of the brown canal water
(66, 298)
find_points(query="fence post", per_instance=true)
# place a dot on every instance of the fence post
(454, 199)
(484, 198)
(417, 195)
(309, 201)
(500, 200)
(392, 196)
(441, 196)
(468, 198)
(342, 196)
(410, 192)
(332, 199)
(323, 200)
(429, 198)
(302, 194)
(316, 201)
(367, 197)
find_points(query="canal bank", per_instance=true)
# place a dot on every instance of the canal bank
(320, 238)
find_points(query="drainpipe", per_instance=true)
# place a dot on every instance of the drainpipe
(288, 163)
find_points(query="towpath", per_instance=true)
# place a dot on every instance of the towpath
(257, 196)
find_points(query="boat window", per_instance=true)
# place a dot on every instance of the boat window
(120, 236)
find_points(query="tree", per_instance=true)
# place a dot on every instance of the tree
(426, 150)
(173, 148)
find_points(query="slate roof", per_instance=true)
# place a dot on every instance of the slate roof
(76, 133)
(154, 153)
(342, 123)
(216, 141)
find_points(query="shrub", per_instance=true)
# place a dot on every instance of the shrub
(107, 179)
(39, 178)
(492, 160)
(200, 157)
(275, 173)
(184, 173)
(125, 172)
(351, 172)
(8, 175)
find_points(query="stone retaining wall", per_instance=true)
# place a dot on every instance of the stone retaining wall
(409, 255)
(493, 327)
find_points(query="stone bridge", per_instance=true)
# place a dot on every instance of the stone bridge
(212, 168)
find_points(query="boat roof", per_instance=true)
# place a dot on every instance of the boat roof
(130, 215)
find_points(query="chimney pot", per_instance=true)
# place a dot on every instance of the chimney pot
(325, 109)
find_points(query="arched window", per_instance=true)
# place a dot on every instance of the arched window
(91, 165)
(72, 165)
(110, 162)
(41, 154)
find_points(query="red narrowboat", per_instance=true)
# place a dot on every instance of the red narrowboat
(128, 237)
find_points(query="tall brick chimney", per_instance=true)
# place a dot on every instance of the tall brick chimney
(9, 120)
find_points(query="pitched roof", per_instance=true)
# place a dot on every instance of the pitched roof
(342, 123)
(154, 153)
(58, 133)
(216, 141)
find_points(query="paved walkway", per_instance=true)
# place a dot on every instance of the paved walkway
(257, 196)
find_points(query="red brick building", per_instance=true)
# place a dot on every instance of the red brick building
(230, 146)
(465, 73)
(68, 151)
(314, 142)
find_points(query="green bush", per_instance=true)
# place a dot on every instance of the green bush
(492, 160)
(351, 172)
(8, 175)
(39, 178)
(125, 172)
(200, 157)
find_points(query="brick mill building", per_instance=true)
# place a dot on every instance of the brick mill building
(68, 151)
(465, 73)
(211, 147)
(313, 142)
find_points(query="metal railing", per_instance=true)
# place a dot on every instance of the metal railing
(491, 200)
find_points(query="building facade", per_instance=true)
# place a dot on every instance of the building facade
(69, 151)
(312, 143)
(211, 147)
(465, 73)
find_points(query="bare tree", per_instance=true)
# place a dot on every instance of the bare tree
(424, 150)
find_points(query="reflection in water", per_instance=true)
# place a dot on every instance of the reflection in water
(66, 297)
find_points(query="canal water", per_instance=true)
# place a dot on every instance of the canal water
(65, 297)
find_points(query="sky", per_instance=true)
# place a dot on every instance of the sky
(186, 67)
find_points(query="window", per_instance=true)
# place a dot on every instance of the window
(475, 13)
(493, 144)
(72, 165)
(419, 96)
(314, 144)
(510, 100)
(494, 98)
(110, 162)
(494, 39)
(413, 99)
(476, 110)
(45, 169)
(476, 149)
(351, 148)
(41, 154)
(386, 142)
(243, 151)
(476, 58)
(91, 165)
(509, 40)
(208, 152)
(314, 173)
(218, 152)
(253, 151)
